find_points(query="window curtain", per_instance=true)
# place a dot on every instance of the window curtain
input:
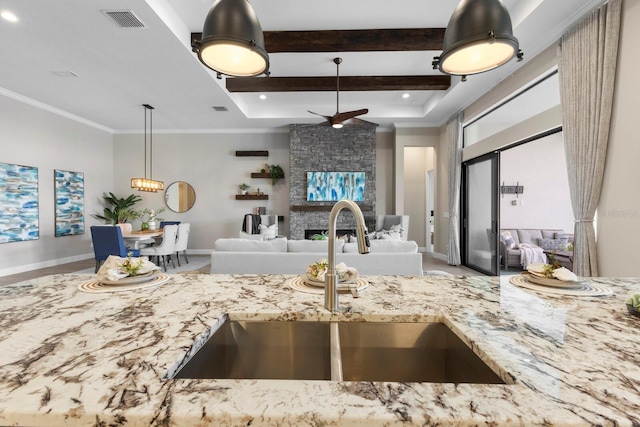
(586, 65)
(454, 151)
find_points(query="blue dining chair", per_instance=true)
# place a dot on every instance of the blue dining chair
(107, 240)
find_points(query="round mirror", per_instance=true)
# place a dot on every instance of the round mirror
(180, 196)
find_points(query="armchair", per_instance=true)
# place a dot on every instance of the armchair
(385, 222)
(251, 227)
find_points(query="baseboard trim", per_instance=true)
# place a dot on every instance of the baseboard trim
(442, 257)
(43, 264)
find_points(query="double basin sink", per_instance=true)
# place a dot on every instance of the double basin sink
(338, 351)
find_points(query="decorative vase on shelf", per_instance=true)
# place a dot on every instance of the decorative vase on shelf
(244, 192)
(153, 225)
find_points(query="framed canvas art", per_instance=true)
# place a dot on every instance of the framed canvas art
(19, 201)
(69, 189)
(334, 186)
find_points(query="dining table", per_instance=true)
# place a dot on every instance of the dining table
(137, 236)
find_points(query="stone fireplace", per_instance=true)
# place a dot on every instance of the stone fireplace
(324, 149)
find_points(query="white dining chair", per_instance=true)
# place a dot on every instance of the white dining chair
(182, 241)
(164, 249)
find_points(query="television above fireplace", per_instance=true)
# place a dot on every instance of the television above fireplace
(334, 186)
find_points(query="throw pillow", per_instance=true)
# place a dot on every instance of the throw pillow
(269, 232)
(567, 236)
(393, 233)
(553, 244)
(507, 239)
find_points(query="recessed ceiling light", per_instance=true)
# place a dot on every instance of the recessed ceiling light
(405, 95)
(9, 16)
(263, 96)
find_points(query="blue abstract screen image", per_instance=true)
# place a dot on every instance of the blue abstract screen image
(19, 202)
(69, 202)
(334, 186)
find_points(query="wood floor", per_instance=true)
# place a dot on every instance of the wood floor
(428, 263)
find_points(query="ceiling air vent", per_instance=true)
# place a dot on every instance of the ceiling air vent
(124, 18)
(221, 108)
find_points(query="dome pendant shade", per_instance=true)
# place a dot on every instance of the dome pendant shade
(478, 38)
(232, 40)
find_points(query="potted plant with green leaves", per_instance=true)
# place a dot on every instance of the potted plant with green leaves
(276, 172)
(120, 210)
(149, 218)
(243, 188)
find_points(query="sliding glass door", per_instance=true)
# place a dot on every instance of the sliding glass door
(480, 213)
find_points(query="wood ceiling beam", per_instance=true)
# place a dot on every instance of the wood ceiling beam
(347, 83)
(385, 40)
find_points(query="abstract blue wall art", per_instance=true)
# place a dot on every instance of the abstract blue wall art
(334, 186)
(69, 202)
(18, 203)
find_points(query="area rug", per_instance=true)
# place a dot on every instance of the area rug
(196, 263)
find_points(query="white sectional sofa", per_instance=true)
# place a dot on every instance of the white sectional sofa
(283, 256)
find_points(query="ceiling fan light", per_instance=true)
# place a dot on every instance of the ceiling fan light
(478, 38)
(337, 125)
(232, 40)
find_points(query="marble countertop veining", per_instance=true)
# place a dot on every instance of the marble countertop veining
(74, 358)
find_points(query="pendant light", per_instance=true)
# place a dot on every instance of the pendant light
(478, 38)
(232, 40)
(147, 184)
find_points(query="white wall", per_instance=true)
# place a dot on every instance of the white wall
(35, 137)
(407, 186)
(540, 167)
(209, 164)
(619, 209)
(384, 172)
(415, 167)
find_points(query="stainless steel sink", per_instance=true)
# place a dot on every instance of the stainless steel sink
(409, 352)
(264, 350)
(349, 351)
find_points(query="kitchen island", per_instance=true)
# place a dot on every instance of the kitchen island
(73, 358)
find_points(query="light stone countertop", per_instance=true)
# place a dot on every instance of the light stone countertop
(77, 359)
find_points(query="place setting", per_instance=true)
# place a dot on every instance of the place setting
(312, 281)
(124, 274)
(555, 279)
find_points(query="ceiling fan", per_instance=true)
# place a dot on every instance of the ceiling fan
(348, 117)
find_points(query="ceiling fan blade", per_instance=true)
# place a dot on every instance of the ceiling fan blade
(321, 115)
(341, 117)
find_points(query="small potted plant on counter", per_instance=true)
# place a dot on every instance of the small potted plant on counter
(243, 188)
(149, 218)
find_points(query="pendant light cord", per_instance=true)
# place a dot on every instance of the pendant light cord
(150, 108)
(337, 61)
(145, 141)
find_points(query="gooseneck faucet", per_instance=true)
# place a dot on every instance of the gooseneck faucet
(331, 278)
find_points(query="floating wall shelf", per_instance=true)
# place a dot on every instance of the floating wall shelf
(252, 197)
(264, 175)
(254, 153)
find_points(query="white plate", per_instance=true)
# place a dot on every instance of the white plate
(546, 281)
(140, 278)
(310, 281)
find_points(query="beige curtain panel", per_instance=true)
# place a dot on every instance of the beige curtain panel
(454, 151)
(587, 65)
